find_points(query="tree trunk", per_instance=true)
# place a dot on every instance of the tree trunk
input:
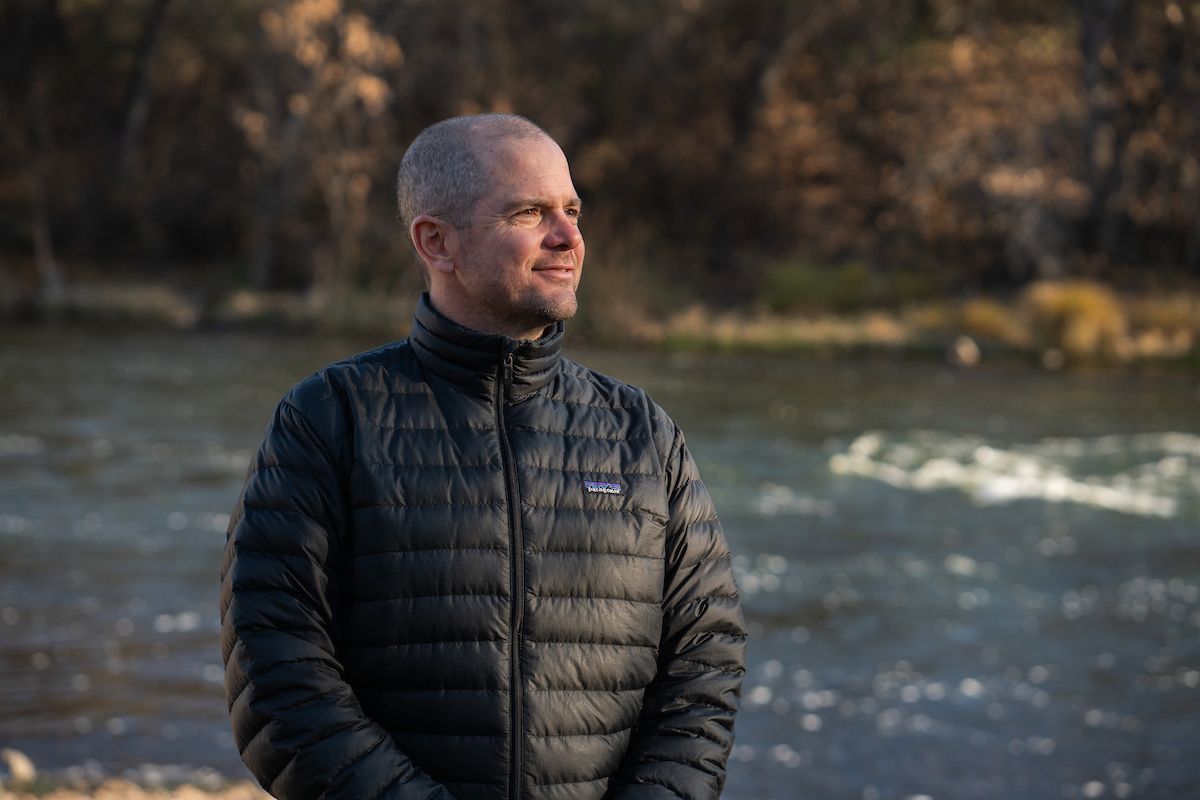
(276, 175)
(102, 190)
(800, 25)
(1103, 24)
(137, 103)
(47, 266)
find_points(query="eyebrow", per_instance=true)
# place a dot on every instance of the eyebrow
(541, 202)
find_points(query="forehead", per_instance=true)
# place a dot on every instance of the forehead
(529, 168)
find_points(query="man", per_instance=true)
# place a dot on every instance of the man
(463, 566)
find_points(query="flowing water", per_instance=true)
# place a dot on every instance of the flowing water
(959, 584)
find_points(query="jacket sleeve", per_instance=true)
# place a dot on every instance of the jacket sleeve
(297, 723)
(684, 734)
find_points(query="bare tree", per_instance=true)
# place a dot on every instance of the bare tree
(25, 110)
(137, 103)
(320, 101)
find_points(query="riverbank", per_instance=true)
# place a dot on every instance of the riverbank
(20, 779)
(1055, 323)
(119, 789)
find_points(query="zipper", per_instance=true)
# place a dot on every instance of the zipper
(504, 379)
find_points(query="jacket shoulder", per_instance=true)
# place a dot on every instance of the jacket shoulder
(585, 386)
(331, 398)
(380, 369)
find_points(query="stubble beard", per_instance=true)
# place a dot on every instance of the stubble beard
(516, 307)
(530, 307)
(524, 309)
(541, 312)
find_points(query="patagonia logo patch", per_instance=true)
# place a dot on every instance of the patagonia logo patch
(603, 487)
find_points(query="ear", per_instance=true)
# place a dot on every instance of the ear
(436, 242)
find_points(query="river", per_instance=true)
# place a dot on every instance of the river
(959, 583)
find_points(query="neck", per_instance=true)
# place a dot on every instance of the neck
(479, 320)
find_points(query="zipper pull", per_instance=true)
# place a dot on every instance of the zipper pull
(508, 369)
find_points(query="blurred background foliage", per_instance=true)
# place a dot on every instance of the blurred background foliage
(787, 155)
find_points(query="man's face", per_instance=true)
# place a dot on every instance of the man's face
(520, 262)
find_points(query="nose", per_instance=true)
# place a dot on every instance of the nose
(564, 232)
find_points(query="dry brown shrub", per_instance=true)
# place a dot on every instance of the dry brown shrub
(1178, 311)
(989, 319)
(1086, 320)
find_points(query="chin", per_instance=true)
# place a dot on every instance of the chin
(558, 309)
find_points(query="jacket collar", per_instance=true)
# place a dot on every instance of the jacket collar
(475, 360)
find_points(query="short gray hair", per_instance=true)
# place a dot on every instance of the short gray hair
(441, 174)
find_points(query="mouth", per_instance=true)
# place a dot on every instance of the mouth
(556, 270)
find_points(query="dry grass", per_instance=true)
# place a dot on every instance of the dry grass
(153, 304)
(698, 328)
(1083, 322)
(346, 312)
(1080, 321)
(159, 305)
(989, 319)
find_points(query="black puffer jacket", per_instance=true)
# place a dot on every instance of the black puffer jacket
(399, 502)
